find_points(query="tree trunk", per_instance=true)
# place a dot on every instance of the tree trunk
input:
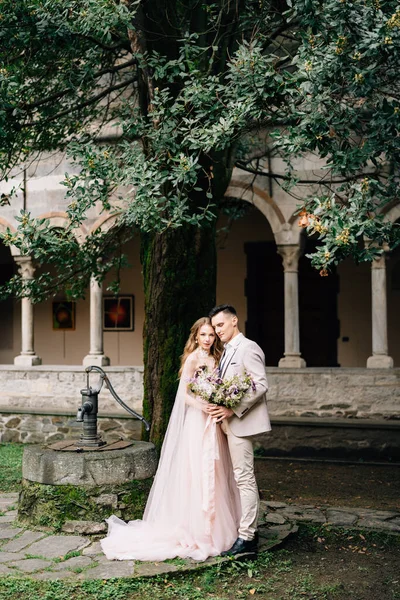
(179, 268)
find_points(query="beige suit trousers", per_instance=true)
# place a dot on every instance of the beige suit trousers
(242, 456)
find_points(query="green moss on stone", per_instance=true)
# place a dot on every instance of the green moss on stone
(52, 505)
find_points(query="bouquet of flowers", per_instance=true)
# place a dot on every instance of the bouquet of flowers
(210, 387)
(231, 391)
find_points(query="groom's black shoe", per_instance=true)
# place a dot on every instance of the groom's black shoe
(242, 546)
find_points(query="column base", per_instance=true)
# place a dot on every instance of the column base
(99, 360)
(27, 360)
(380, 361)
(292, 361)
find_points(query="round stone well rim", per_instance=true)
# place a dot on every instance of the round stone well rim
(43, 465)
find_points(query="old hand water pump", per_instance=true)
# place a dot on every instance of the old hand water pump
(87, 412)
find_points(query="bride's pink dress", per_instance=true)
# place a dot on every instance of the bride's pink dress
(193, 509)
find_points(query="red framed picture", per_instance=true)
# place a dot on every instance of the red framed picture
(63, 314)
(118, 313)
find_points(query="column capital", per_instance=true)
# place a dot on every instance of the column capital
(290, 254)
(25, 266)
(380, 262)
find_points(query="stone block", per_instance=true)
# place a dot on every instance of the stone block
(55, 437)
(378, 524)
(131, 425)
(54, 575)
(47, 466)
(84, 527)
(48, 428)
(93, 549)
(58, 546)
(338, 517)
(25, 540)
(35, 438)
(8, 532)
(4, 570)
(107, 500)
(76, 562)
(31, 424)
(7, 519)
(107, 425)
(273, 504)
(274, 519)
(13, 422)
(30, 565)
(6, 557)
(120, 568)
(312, 515)
(10, 435)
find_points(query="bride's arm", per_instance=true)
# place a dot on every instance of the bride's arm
(189, 369)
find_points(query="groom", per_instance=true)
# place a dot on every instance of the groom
(249, 418)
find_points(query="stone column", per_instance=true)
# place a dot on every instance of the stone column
(96, 354)
(379, 358)
(290, 256)
(27, 358)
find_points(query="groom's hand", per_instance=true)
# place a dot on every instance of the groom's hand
(219, 413)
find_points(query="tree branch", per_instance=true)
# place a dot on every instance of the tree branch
(78, 107)
(64, 92)
(241, 165)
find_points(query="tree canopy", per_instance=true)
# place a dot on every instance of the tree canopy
(156, 101)
(180, 84)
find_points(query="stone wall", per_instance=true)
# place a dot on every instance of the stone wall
(43, 428)
(350, 412)
(56, 389)
(332, 393)
(311, 392)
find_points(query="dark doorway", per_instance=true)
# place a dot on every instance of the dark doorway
(7, 270)
(264, 291)
(319, 326)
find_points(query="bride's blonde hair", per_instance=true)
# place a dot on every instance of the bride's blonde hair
(192, 344)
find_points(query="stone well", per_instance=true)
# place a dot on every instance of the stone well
(76, 491)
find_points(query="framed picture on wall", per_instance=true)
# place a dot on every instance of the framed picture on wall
(63, 314)
(118, 313)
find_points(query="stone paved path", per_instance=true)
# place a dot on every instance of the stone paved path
(41, 555)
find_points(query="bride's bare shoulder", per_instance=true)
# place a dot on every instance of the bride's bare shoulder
(192, 358)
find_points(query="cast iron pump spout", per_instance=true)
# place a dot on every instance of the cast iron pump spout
(86, 408)
(87, 412)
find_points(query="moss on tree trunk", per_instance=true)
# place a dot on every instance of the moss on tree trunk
(179, 268)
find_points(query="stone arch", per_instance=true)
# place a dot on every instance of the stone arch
(59, 219)
(105, 222)
(260, 199)
(393, 214)
(284, 232)
(4, 225)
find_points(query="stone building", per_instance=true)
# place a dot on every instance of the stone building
(332, 344)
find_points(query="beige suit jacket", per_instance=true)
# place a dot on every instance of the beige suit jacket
(251, 415)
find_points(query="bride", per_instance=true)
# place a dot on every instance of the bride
(193, 509)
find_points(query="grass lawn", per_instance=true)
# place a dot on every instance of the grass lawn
(317, 564)
(10, 467)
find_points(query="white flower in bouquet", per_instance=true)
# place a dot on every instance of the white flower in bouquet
(210, 387)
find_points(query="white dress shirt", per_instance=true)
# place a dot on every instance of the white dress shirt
(229, 350)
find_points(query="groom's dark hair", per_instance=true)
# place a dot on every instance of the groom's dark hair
(225, 308)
